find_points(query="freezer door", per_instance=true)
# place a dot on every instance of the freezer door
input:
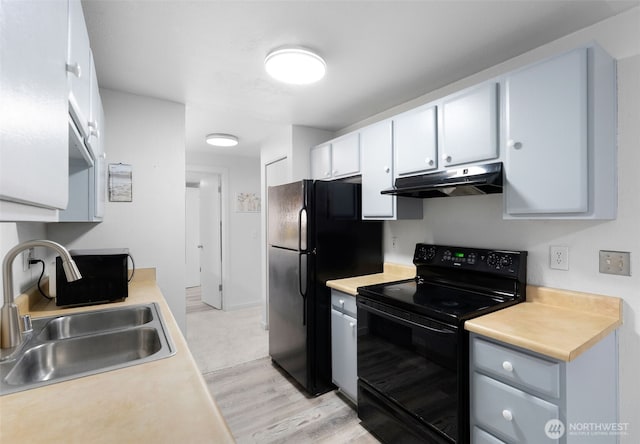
(287, 312)
(287, 215)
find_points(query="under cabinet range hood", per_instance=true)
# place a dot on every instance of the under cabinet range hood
(467, 181)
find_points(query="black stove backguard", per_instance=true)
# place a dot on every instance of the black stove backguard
(413, 360)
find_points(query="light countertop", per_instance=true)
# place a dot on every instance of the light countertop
(391, 272)
(561, 324)
(163, 401)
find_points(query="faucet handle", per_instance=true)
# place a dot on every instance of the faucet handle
(27, 325)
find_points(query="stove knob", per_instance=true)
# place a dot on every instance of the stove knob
(493, 260)
(506, 261)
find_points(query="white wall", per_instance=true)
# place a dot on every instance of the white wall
(241, 231)
(149, 134)
(477, 220)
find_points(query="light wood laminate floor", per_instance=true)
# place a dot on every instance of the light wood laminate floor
(262, 404)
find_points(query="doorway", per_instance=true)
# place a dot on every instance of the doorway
(203, 237)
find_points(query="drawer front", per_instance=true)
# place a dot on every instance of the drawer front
(509, 413)
(479, 436)
(344, 303)
(516, 367)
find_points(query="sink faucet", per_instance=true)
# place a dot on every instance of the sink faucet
(10, 334)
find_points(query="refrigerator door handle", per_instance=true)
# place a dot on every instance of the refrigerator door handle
(301, 225)
(303, 293)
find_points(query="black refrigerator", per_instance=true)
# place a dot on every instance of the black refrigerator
(315, 234)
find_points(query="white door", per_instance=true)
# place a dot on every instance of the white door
(192, 233)
(211, 240)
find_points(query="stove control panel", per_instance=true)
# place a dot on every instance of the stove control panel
(503, 262)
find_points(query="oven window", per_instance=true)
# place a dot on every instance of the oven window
(413, 365)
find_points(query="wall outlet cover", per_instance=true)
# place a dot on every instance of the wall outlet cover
(559, 257)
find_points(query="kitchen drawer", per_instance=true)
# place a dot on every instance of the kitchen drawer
(514, 367)
(344, 303)
(511, 414)
(479, 436)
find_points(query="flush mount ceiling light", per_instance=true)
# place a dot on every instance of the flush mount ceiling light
(219, 139)
(295, 65)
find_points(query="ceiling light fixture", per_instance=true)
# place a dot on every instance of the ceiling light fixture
(295, 65)
(219, 139)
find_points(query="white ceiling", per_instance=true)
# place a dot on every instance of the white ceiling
(209, 54)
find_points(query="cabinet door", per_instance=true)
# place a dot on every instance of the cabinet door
(33, 109)
(377, 161)
(546, 159)
(415, 141)
(321, 162)
(343, 352)
(79, 68)
(345, 156)
(469, 126)
(95, 110)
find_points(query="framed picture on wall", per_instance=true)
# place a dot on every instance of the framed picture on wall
(247, 203)
(120, 182)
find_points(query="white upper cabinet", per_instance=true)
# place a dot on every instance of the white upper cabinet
(79, 68)
(33, 110)
(415, 141)
(560, 138)
(377, 175)
(337, 158)
(468, 125)
(345, 156)
(377, 160)
(95, 113)
(321, 162)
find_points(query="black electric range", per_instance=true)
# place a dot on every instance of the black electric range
(412, 347)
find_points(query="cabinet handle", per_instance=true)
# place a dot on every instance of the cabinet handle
(446, 158)
(506, 414)
(335, 172)
(429, 161)
(74, 69)
(387, 169)
(352, 324)
(341, 302)
(513, 144)
(327, 174)
(93, 124)
(507, 366)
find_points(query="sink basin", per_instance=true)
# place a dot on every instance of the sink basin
(82, 344)
(54, 360)
(87, 323)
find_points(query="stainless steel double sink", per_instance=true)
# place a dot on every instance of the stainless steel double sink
(80, 344)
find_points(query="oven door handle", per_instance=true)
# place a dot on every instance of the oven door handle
(406, 322)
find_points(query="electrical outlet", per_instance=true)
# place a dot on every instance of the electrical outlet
(615, 262)
(26, 255)
(559, 257)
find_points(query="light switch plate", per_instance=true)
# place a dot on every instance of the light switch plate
(615, 262)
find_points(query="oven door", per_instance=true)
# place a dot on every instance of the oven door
(407, 367)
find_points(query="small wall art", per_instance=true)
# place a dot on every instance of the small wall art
(120, 182)
(247, 203)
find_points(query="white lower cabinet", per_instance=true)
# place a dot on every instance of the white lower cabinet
(344, 327)
(518, 396)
